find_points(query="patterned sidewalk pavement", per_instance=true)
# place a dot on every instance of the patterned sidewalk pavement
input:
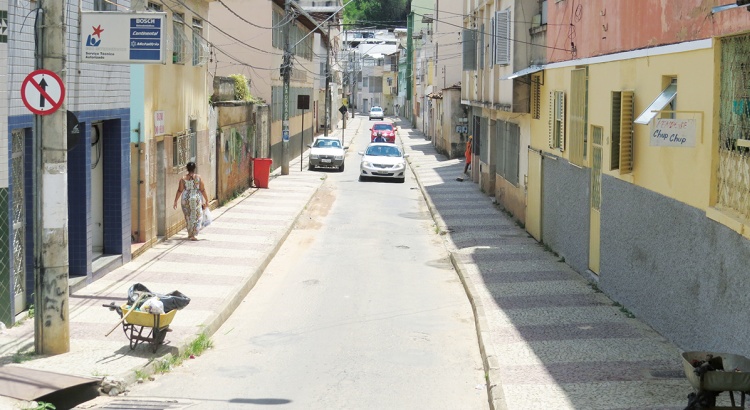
(550, 339)
(216, 272)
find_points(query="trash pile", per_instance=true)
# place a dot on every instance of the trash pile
(140, 298)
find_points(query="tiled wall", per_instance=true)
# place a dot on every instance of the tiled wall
(6, 253)
(88, 86)
(94, 92)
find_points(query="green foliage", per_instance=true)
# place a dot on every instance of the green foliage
(242, 88)
(382, 13)
(40, 405)
(20, 357)
(194, 349)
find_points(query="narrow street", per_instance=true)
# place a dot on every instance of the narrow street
(359, 309)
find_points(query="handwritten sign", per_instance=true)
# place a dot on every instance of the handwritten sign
(159, 123)
(673, 133)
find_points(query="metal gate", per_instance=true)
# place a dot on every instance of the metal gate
(18, 221)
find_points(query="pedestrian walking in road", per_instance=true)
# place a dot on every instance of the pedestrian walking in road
(192, 196)
(467, 154)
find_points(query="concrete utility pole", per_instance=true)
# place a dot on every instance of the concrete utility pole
(328, 83)
(409, 67)
(286, 72)
(51, 320)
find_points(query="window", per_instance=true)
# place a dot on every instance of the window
(508, 137)
(199, 47)
(663, 100)
(184, 147)
(578, 115)
(480, 44)
(178, 38)
(557, 120)
(469, 40)
(105, 5)
(154, 7)
(621, 154)
(502, 37)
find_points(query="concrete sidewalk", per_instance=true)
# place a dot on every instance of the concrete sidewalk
(216, 272)
(550, 340)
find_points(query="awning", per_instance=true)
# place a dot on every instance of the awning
(659, 103)
(526, 71)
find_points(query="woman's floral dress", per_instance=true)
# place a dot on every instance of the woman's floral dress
(191, 202)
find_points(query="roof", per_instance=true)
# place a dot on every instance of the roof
(312, 25)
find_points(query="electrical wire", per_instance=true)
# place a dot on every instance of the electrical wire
(182, 3)
(282, 24)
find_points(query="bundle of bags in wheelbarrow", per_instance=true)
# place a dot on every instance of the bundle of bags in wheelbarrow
(141, 298)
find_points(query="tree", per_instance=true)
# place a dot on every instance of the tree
(377, 13)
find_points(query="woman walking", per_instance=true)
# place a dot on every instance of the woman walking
(192, 196)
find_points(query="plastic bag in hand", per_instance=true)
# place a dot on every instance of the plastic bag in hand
(207, 218)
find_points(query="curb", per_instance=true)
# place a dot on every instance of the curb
(494, 391)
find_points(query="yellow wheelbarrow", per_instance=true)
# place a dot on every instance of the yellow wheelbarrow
(142, 326)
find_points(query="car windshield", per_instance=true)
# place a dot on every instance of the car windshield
(382, 127)
(376, 109)
(383, 151)
(327, 144)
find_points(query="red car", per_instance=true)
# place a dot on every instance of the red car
(386, 129)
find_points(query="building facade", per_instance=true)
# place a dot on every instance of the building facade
(637, 157)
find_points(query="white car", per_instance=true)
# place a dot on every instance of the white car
(383, 160)
(376, 113)
(326, 152)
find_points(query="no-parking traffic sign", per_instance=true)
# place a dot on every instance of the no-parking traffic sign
(42, 92)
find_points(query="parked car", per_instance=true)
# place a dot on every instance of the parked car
(326, 152)
(376, 113)
(383, 160)
(387, 129)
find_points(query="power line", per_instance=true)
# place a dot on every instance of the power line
(220, 30)
(282, 24)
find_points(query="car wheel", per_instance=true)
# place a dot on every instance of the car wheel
(361, 178)
(310, 166)
(401, 180)
(341, 168)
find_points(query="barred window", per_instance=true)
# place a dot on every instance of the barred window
(178, 38)
(184, 150)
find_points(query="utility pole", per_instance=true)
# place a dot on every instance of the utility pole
(51, 266)
(409, 67)
(328, 82)
(286, 72)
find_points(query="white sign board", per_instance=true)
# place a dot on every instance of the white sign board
(158, 123)
(673, 133)
(124, 38)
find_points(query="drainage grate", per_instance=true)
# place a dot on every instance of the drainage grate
(118, 403)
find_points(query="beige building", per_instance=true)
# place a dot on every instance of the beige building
(499, 50)
(251, 42)
(172, 125)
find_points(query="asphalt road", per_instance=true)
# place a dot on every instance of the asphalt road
(360, 309)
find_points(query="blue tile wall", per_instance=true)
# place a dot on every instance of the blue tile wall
(116, 190)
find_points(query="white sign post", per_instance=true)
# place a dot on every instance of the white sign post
(123, 38)
(673, 133)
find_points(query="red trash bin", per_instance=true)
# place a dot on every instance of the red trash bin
(261, 171)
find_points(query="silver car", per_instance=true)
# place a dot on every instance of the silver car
(383, 160)
(376, 113)
(326, 152)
